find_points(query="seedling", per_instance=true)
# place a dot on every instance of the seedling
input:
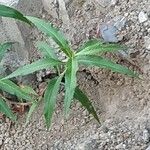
(85, 55)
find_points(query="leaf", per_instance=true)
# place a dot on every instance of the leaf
(28, 90)
(6, 110)
(3, 49)
(83, 99)
(46, 50)
(6, 11)
(31, 110)
(12, 88)
(50, 99)
(52, 32)
(92, 60)
(70, 83)
(96, 46)
(35, 66)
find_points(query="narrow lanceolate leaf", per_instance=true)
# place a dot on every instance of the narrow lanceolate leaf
(92, 60)
(70, 83)
(46, 50)
(52, 32)
(3, 48)
(6, 11)
(83, 99)
(28, 90)
(50, 99)
(31, 110)
(35, 66)
(10, 87)
(96, 46)
(6, 110)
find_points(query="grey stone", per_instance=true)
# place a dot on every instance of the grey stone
(109, 33)
(147, 42)
(142, 17)
(146, 136)
(111, 29)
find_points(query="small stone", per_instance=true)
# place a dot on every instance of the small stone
(113, 2)
(147, 42)
(110, 31)
(142, 17)
(146, 136)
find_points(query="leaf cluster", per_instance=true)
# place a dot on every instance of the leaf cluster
(86, 55)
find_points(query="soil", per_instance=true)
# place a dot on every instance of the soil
(121, 102)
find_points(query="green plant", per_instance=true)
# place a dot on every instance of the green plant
(86, 55)
(11, 88)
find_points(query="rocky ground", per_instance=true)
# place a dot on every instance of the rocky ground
(122, 103)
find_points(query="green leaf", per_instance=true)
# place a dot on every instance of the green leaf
(50, 99)
(92, 60)
(70, 83)
(12, 88)
(35, 66)
(28, 90)
(96, 46)
(83, 99)
(6, 11)
(52, 32)
(6, 110)
(31, 110)
(3, 49)
(46, 50)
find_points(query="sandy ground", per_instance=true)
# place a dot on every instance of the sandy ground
(122, 103)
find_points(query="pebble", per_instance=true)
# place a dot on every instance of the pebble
(110, 30)
(147, 42)
(146, 136)
(142, 17)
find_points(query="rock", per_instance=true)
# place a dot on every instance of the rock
(111, 29)
(108, 33)
(142, 17)
(113, 2)
(146, 136)
(147, 42)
